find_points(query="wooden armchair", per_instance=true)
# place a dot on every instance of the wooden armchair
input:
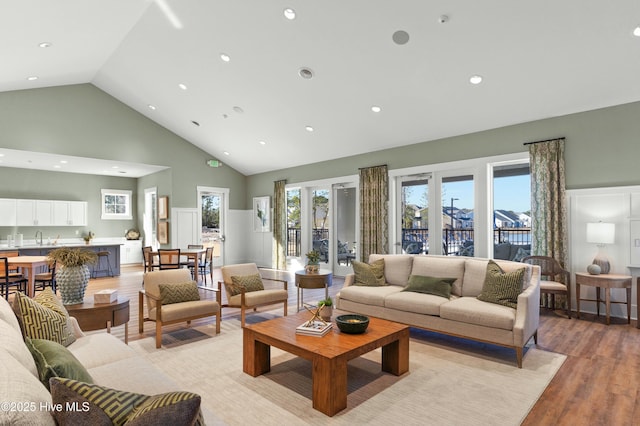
(555, 279)
(172, 297)
(246, 291)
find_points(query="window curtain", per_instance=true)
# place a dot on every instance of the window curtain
(374, 211)
(548, 201)
(279, 259)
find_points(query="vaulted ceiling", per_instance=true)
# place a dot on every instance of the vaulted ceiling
(232, 76)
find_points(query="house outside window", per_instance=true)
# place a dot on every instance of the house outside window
(116, 204)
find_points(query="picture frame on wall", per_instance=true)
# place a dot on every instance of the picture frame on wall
(163, 207)
(163, 232)
(261, 214)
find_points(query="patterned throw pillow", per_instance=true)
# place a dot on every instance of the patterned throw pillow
(371, 275)
(502, 287)
(43, 317)
(430, 285)
(54, 360)
(98, 405)
(248, 282)
(176, 293)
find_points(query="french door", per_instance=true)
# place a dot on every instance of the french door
(213, 210)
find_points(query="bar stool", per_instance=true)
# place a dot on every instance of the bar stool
(100, 267)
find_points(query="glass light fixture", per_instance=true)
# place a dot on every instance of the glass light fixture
(601, 234)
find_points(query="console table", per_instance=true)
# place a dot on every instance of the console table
(96, 316)
(607, 282)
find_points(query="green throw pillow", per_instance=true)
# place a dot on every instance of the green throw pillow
(176, 293)
(502, 287)
(248, 282)
(430, 285)
(54, 360)
(98, 405)
(43, 317)
(371, 275)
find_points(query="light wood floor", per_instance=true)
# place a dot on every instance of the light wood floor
(599, 383)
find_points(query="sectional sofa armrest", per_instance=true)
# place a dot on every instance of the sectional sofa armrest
(528, 310)
(75, 327)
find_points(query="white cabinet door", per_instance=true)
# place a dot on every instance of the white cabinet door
(61, 213)
(131, 252)
(70, 213)
(43, 213)
(25, 212)
(7, 212)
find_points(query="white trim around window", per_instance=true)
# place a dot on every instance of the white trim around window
(116, 204)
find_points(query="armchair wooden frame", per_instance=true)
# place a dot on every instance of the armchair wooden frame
(157, 301)
(551, 269)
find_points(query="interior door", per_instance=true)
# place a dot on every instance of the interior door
(345, 229)
(212, 211)
(185, 228)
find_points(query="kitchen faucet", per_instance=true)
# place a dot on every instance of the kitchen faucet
(39, 232)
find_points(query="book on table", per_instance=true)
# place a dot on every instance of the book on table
(314, 328)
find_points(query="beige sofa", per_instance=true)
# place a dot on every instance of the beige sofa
(462, 314)
(109, 361)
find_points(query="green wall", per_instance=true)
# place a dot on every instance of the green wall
(602, 149)
(81, 120)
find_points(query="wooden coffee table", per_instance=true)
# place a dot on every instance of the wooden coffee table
(329, 354)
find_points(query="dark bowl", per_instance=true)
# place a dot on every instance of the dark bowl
(352, 323)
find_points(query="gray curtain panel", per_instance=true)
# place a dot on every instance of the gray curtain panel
(374, 211)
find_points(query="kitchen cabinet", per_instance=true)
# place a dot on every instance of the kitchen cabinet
(7, 212)
(70, 213)
(34, 212)
(131, 252)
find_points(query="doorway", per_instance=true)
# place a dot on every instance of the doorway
(213, 210)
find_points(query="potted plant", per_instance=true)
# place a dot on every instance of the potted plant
(88, 237)
(313, 261)
(72, 272)
(327, 308)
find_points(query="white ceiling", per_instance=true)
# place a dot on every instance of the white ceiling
(538, 60)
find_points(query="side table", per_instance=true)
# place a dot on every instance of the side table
(320, 279)
(96, 316)
(607, 282)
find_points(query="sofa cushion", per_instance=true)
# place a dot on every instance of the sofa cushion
(470, 310)
(475, 271)
(443, 267)
(108, 406)
(397, 267)
(43, 317)
(430, 285)
(192, 308)
(419, 303)
(502, 287)
(250, 283)
(369, 274)
(12, 344)
(180, 292)
(54, 360)
(8, 316)
(374, 296)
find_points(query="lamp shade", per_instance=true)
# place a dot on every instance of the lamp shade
(601, 233)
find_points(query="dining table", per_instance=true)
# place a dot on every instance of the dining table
(194, 254)
(28, 264)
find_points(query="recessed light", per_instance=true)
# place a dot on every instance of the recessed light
(225, 57)
(115, 167)
(305, 73)
(45, 44)
(63, 161)
(182, 86)
(289, 13)
(262, 142)
(400, 37)
(475, 79)
(226, 152)
(376, 108)
(57, 166)
(238, 109)
(195, 123)
(1, 154)
(308, 128)
(32, 78)
(636, 31)
(152, 107)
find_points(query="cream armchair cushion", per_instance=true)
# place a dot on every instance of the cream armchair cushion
(164, 314)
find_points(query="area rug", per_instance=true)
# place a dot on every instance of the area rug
(450, 381)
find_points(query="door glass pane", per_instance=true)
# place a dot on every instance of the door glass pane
(211, 234)
(320, 223)
(511, 211)
(345, 205)
(415, 216)
(293, 223)
(457, 215)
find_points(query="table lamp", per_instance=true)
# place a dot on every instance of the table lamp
(601, 234)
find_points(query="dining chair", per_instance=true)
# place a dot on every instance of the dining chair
(555, 280)
(44, 279)
(169, 259)
(10, 279)
(206, 264)
(188, 262)
(149, 260)
(8, 254)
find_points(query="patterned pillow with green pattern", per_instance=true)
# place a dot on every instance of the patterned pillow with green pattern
(180, 292)
(502, 287)
(99, 405)
(371, 275)
(248, 282)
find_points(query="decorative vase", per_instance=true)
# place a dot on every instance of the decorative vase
(594, 269)
(312, 268)
(72, 282)
(326, 313)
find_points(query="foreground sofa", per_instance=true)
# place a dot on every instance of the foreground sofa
(109, 361)
(462, 314)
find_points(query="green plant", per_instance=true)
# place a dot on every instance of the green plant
(326, 302)
(313, 257)
(70, 257)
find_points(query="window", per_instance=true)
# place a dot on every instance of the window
(116, 204)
